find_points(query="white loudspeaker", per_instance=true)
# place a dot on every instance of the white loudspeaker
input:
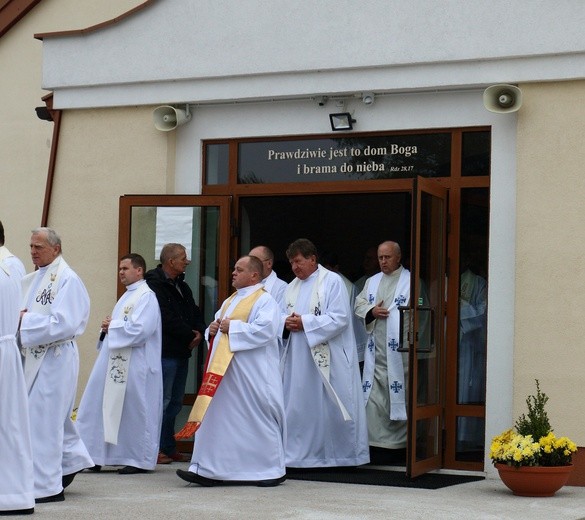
(502, 98)
(168, 118)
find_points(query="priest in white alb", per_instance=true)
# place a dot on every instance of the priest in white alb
(385, 369)
(272, 283)
(55, 311)
(16, 466)
(238, 416)
(120, 413)
(11, 261)
(323, 400)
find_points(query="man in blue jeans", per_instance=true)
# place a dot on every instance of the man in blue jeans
(182, 331)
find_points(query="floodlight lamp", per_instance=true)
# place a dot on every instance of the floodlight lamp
(341, 121)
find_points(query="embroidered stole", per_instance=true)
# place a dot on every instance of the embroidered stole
(217, 367)
(396, 383)
(321, 353)
(46, 291)
(117, 373)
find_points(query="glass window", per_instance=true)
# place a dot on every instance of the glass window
(471, 354)
(427, 440)
(147, 235)
(150, 228)
(217, 163)
(470, 439)
(476, 151)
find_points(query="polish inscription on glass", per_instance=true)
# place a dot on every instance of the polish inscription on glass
(347, 158)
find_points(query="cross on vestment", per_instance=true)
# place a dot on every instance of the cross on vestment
(396, 387)
(393, 345)
(367, 385)
(210, 384)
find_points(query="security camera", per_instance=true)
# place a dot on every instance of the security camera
(322, 100)
(368, 98)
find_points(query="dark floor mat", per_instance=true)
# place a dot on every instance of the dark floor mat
(379, 477)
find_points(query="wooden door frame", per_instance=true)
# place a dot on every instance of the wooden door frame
(229, 249)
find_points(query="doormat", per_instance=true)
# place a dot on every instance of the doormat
(379, 477)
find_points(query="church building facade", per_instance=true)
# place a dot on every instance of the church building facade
(453, 128)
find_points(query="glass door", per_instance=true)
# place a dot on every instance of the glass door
(200, 223)
(423, 325)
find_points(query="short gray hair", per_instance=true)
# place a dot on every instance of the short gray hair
(170, 251)
(52, 237)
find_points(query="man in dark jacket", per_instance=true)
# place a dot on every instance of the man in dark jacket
(182, 331)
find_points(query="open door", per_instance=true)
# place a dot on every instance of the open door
(201, 224)
(423, 322)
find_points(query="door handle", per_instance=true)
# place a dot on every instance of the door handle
(431, 346)
(404, 316)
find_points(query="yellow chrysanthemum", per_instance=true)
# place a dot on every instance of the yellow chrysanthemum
(521, 450)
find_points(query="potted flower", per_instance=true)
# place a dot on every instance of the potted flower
(530, 459)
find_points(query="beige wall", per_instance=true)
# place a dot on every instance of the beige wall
(550, 262)
(87, 220)
(25, 140)
(130, 157)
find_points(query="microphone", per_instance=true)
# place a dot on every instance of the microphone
(102, 335)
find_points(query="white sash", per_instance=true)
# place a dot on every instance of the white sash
(117, 374)
(321, 353)
(41, 304)
(396, 383)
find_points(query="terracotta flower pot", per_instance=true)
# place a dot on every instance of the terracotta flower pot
(534, 481)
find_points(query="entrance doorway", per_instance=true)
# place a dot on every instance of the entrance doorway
(347, 224)
(255, 192)
(344, 226)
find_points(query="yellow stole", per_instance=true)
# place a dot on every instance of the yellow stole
(218, 366)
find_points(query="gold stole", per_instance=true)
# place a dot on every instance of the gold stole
(218, 366)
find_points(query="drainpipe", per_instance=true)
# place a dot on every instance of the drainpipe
(47, 113)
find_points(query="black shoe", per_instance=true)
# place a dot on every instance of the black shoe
(67, 479)
(131, 470)
(271, 482)
(193, 478)
(59, 497)
(18, 512)
(95, 469)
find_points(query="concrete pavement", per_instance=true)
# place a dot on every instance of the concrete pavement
(162, 494)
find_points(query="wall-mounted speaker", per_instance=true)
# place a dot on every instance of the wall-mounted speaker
(502, 98)
(168, 118)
